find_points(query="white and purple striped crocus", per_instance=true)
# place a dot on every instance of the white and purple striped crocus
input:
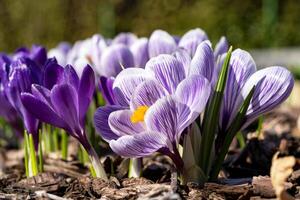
(273, 85)
(154, 106)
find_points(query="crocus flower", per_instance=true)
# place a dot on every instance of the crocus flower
(23, 73)
(115, 58)
(37, 53)
(125, 38)
(7, 111)
(64, 103)
(192, 39)
(155, 105)
(60, 53)
(88, 51)
(273, 86)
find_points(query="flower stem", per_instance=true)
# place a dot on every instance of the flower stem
(26, 154)
(232, 131)
(32, 157)
(64, 144)
(55, 139)
(41, 161)
(99, 170)
(135, 167)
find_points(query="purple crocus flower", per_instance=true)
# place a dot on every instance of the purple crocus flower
(37, 53)
(155, 105)
(64, 103)
(7, 111)
(23, 73)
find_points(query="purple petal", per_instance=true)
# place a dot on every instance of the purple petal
(71, 77)
(42, 111)
(242, 66)
(161, 42)
(147, 93)
(125, 38)
(140, 145)
(101, 122)
(167, 70)
(203, 61)
(65, 101)
(38, 54)
(114, 59)
(221, 47)
(41, 93)
(194, 92)
(106, 89)
(120, 123)
(183, 56)
(126, 82)
(53, 74)
(85, 91)
(273, 86)
(140, 53)
(192, 39)
(168, 117)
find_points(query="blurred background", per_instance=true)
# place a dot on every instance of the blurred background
(247, 24)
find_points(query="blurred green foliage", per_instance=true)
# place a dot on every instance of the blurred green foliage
(246, 23)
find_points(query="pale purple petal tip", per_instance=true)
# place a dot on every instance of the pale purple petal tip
(161, 42)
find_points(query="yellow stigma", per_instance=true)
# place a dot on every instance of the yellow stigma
(138, 114)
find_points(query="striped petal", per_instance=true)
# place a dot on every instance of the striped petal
(273, 86)
(167, 70)
(114, 59)
(191, 39)
(203, 61)
(194, 92)
(101, 122)
(140, 53)
(147, 93)
(140, 145)
(120, 123)
(242, 66)
(161, 42)
(169, 117)
(126, 82)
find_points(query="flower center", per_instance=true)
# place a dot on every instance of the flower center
(138, 114)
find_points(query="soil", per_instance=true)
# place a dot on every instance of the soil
(245, 173)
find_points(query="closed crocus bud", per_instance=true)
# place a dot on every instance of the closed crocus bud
(114, 59)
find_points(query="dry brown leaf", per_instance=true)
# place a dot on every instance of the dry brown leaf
(281, 169)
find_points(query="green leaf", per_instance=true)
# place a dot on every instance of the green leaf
(232, 131)
(211, 117)
(192, 172)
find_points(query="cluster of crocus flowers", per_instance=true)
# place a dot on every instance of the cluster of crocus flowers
(173, 95)
(151, 108)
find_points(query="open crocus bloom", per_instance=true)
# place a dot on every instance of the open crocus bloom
(155, 105)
